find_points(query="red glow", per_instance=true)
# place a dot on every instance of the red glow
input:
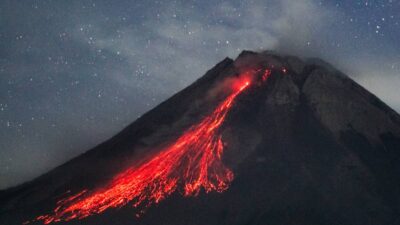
(266, 74)
(192, 163)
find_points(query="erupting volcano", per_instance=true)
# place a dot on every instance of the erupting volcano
(193, 162)
(298, 143)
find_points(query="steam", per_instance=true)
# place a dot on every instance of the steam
(304, 28)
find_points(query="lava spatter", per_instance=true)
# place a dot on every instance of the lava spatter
(191, 164)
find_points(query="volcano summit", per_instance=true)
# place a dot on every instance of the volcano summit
(263, 139)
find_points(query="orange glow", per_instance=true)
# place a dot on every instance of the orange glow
(191, 164)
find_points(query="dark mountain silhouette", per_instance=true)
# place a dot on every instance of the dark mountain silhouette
(307, 147)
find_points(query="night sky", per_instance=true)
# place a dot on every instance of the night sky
(74, 73)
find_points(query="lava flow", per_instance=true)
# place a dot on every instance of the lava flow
(192, 163)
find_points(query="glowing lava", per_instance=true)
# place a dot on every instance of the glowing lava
(192, 163)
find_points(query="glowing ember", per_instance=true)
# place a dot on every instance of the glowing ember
(192, 163)
(266, 74)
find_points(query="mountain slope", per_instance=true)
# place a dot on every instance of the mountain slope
(307, 146)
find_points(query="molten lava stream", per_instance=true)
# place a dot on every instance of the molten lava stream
(193, 162)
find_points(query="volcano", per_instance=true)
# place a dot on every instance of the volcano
(262, 139)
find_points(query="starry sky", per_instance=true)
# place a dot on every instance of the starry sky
(74, 73)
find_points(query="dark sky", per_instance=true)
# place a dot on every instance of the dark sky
(73, 73)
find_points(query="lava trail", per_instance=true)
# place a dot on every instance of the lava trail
(192, 163)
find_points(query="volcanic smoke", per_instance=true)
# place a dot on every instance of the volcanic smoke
(192, 163)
